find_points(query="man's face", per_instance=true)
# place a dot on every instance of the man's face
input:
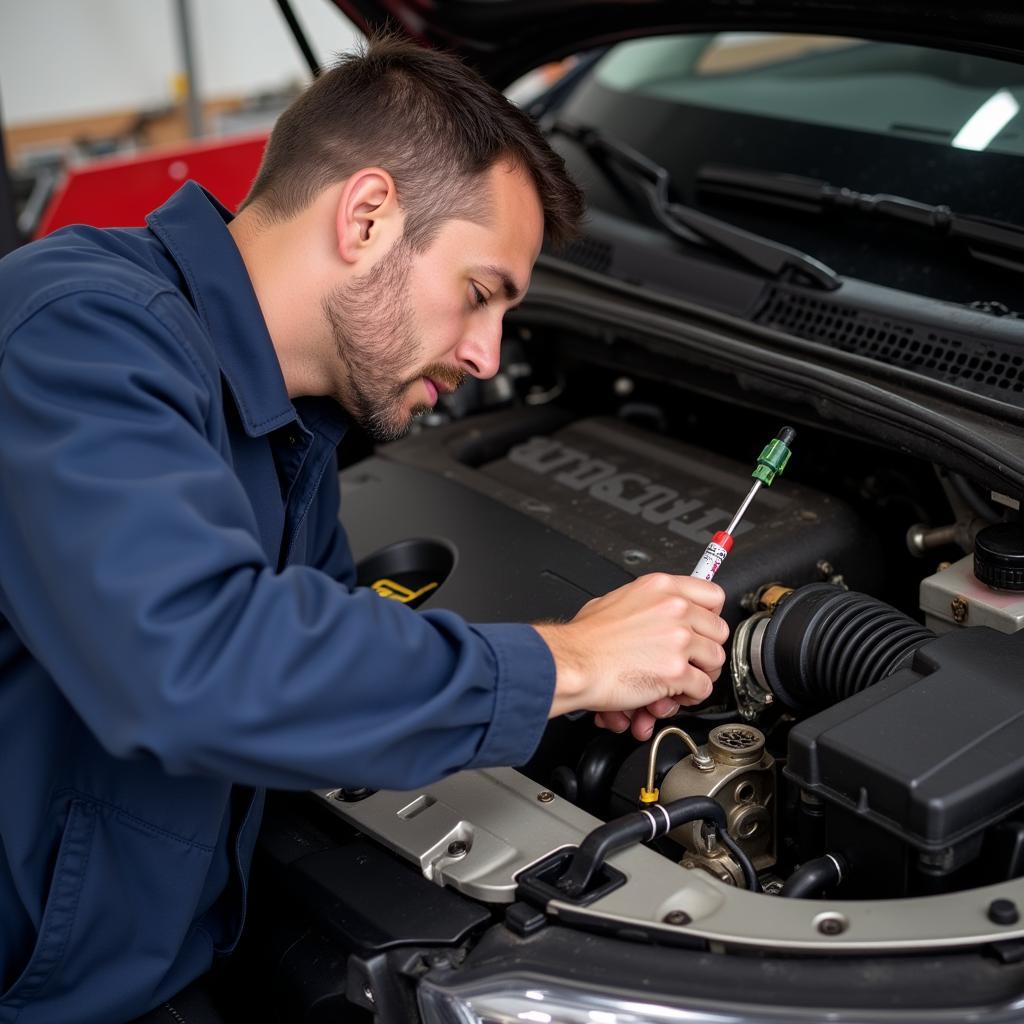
(417, 324)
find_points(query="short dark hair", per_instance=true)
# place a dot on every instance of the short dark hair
(434, 124)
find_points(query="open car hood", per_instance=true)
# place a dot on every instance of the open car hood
(505, 38)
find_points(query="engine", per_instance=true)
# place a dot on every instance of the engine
(852, 749)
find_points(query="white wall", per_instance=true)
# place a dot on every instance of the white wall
(71, 58)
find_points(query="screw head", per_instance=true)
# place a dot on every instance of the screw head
(368, 994)
(959, 608)
(1003, 912)
(350, 796)
(545, 796)
(677, 917)
(831, 923)
(458, 849)
(634, 556)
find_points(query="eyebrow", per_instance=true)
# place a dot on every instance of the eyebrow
(511, 289)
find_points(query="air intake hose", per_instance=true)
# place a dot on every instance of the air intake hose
(824, 644)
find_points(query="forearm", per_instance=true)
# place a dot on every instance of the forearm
(571, 690)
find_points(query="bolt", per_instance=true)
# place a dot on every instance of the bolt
(678, 917)
(368, 992)
(773, 888)
(633, 556)
(350, 796)
(458, 849)
(825, 568)
(623, 386)
(959, 607)
(545, 796)
(831, 926)
(1003, 912)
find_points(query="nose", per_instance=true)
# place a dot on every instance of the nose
(479, 352)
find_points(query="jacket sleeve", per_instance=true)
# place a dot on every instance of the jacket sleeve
(133, 573)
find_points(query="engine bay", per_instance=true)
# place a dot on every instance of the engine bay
(857, 753)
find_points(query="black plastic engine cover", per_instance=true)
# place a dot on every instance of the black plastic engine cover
(543, 513)
(933, 754)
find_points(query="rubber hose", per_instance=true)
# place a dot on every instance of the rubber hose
(641, 826)
(824, 644)
(814, 876)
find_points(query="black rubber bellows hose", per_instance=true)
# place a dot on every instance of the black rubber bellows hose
(824, 644)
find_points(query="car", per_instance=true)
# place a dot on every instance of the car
(802, 215)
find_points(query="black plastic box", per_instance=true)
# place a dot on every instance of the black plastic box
(934, 754)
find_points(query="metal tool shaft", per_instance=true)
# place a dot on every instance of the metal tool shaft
(743, 507)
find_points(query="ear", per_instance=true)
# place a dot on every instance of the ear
(369, 218)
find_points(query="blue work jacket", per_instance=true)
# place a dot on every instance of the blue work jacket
(179, 625)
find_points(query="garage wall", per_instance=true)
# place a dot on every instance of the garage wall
(62, 59)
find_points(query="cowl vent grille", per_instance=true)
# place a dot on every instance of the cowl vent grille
(980, 365)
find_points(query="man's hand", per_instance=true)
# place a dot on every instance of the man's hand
(639, 652)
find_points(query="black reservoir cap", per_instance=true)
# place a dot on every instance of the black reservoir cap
(999, 556)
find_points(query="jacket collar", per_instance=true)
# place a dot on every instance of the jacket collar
(192, 225)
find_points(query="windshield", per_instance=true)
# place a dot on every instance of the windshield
(936, 126)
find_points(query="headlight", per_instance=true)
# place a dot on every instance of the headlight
(508, 999)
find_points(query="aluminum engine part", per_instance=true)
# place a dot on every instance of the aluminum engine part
(954, 598)
(743, 782)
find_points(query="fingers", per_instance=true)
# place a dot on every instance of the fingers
(664, 708)
(701, 592)
(706, 655)
(620, 721)
(708, 623)
(696, 602)
(639, 722)
(642, 724)
(691, 702)
(694, 688)
(613, 721)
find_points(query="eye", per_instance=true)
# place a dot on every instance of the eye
(479, 297)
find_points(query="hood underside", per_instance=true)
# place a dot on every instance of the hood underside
(505, 38)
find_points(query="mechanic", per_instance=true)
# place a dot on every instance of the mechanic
(180, 626)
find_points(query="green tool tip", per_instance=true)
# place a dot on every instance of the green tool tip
(772, 461)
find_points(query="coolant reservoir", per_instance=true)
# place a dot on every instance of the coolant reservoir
(983, 589)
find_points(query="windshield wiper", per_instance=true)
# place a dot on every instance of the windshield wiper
(692, 225)
(992, 241)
